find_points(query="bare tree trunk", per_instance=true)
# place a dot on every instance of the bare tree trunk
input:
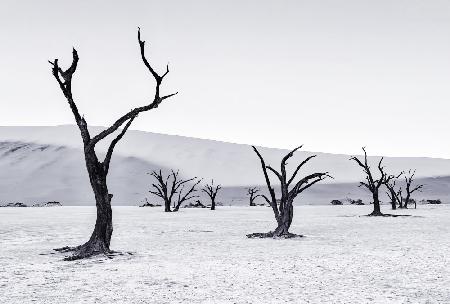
(392, 193)
(167, 206)
(100, 239)
(101, 236)
(285, 221)
(393, 197)
(394, 205)
(376, 205)
(406, 200)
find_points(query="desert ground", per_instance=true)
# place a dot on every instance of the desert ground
(203, 256)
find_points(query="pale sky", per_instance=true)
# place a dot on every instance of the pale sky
(333, 75)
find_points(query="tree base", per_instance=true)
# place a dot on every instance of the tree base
(376, 213)
(272, 235)
(87, 250)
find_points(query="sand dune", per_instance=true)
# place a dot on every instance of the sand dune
(46, 163)
(32, 173)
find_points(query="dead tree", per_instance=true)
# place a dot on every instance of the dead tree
(100, 239)
(372, 184)
(167, 187)
(185, 196)
(282, 207)
(393, 194)
(251, 192)
(211, 191)
(409, 178)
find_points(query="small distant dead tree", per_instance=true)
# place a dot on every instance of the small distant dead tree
(393, 194)
(211, 191)
(100, 239)
(372, 184)
(282, 207)
(409, 178)
(167, 187)
(251, 193)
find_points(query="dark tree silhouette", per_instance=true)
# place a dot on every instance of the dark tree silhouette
(211, 191)
(282, 207)
(393, 194)
(167, 187)
(409, 178)
(372, 184)
(184, 196)
(251, 193)
(100, 239)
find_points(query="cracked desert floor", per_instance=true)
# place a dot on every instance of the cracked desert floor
(203, 256)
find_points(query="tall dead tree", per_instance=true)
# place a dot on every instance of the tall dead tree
(282, 207)
(100, 239)
(251, 193)
(167, 187)
(211, 191)
(409, 178)
(393, 194)
(372, 184)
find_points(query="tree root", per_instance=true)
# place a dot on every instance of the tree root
(272, 235)
(87, 250)
(65, 249)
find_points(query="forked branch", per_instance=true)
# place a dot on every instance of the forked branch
(113, 144)
(134, 112)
